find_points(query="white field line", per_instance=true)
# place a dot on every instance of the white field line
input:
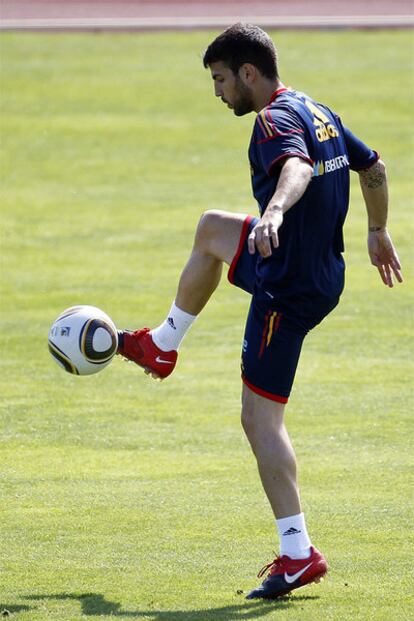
(183, 23)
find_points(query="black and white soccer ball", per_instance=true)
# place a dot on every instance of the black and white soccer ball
(83, 340)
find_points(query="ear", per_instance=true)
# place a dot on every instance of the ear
(248, 73)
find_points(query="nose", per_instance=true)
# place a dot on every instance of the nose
(217, 89)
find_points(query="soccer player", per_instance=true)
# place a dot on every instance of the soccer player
(289, 259)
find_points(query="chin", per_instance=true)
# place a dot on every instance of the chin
(242, 111)
(243, 107)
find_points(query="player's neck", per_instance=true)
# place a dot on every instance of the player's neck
(264, 93)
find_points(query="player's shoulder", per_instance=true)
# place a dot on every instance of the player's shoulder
(300, 102)
(279, 116)
(289, 98)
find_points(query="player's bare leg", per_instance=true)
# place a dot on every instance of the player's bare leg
(299, 562)
(216, 241)
(263, 423)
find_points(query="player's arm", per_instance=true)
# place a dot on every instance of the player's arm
(294, 178)
(381, 250)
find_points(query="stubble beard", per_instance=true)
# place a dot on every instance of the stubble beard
(244, 103)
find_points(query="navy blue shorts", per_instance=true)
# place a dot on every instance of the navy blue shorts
(273, 337)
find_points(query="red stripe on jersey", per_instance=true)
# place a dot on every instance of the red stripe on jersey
(275, 130)
(260, 124)
(285, 156)
(277, 134)
(282, 89)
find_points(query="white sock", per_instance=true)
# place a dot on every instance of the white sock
(294, 538)
(171, 332)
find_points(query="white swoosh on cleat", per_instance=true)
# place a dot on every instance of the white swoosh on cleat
(158, 359)
(294, 577)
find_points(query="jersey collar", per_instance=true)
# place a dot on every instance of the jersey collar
(282, 88)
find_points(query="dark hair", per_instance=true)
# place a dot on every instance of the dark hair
(244, 43)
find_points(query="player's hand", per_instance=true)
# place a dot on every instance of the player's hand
(384, 256)
(265, 233)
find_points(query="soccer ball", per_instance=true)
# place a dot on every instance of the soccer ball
(83, 340)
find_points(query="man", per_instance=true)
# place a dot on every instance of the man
(289, 260)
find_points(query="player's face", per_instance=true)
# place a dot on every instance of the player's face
(231, 89)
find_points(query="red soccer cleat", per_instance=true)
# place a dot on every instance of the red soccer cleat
(139, 347)
(286, 574)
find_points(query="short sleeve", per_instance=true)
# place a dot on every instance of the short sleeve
(279, 134)
(360, 155)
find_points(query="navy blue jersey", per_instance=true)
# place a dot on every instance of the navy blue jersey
(307, 269)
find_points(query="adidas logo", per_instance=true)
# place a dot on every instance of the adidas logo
(292, 531)
(170, 322)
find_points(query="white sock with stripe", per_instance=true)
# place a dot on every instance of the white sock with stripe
(171, 332)
(293, 535)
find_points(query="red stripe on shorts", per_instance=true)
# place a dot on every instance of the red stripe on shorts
(265, 330)
(264, 393)
(243, 235)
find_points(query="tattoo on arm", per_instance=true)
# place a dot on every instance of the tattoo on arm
(373, 177)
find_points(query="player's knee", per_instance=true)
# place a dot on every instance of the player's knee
(249, 423)
(208, 227)
(262, 426)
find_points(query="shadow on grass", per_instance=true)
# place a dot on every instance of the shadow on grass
(5, 608)
(95, 604)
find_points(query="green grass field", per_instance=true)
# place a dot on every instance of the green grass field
(125, 498)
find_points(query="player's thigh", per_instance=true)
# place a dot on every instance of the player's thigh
(220, 232)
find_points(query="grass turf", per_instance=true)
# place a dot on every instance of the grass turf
(128, 499)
